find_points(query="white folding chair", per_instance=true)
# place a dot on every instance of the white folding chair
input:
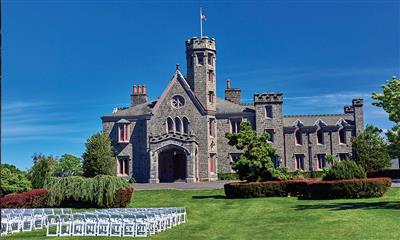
(53, 225)
(78, 224)
(128, 225)
(103, 224)
(65, 225)
(115, 224)
(90, 225)
(142, 225)
(27, 221)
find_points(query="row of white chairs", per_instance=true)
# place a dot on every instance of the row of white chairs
(26, 220)
(134, 222)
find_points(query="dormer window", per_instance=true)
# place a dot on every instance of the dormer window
(298, 138)
(342, 136)
(320, 137)
(123, 133)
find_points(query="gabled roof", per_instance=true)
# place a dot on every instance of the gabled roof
(178, 77)
(138, 110)
(225, 107)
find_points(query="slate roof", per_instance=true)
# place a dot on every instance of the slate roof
(138, 110)
(224, 107)
(309, 120)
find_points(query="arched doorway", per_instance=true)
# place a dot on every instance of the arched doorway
(172, 165)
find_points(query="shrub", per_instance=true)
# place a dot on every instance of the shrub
(228, 176)
(99, 191)
(386, 173)
(98, 158)
(123, 197)
(255, 189)
(13, 181)
(355, 188)
(42, 170)
(346, 169)
(36, 198)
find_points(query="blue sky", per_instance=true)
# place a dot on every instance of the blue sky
(67, 63)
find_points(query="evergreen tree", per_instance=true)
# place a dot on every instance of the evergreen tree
(42, 169)
(370, 150)
(255, 163)
(68, 165)
(98, 158)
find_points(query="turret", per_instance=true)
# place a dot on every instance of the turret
(201, 69)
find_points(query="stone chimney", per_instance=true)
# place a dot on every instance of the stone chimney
(139, 95)
(232, 94)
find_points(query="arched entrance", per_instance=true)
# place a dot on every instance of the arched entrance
(172, 165)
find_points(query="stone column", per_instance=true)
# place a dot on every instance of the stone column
(154, 167)
(190, 167)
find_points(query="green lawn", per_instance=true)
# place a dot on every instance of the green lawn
(211, 216)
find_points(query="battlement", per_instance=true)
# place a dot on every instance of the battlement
(358, 102)
(204, 43)
(348, 109)
(268, 98)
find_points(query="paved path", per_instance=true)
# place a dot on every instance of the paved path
(180, 185)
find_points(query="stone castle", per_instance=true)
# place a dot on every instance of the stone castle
(181, 135)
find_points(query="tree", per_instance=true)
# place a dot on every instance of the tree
(389, 100)
(98, 158)
(68, 165)
(255, 163)
(13, 180)
(342, 170)
(370, 150)
(42, 170)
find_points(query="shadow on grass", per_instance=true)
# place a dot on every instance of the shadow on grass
(350, 206)
(211, 196)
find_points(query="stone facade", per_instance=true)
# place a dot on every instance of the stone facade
(181, 135)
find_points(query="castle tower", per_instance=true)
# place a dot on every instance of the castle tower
(201, 66)
(269, 118)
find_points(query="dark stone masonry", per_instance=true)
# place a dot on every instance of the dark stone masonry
(181, 135)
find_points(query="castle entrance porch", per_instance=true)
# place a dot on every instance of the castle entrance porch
(172, 165)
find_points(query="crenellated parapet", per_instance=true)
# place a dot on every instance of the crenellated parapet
(204, 43)
(268, 98)
(358, 102)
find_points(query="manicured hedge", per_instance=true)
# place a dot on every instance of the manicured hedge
(228, 176)
(99, 191)
(353, 188)
(386, 173)
(35, 198)
(310, 188)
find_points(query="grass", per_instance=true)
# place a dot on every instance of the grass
(211, 216)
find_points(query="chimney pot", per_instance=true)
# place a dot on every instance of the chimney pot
(140, 89)
(144, 89)
(228, 84)
(134, 89)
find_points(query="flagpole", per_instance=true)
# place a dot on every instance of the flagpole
(201, 25)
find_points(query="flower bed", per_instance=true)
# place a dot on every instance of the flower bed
(35, 198)
(310, 188)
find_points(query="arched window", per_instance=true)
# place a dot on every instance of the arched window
(298, 138)
(320, 137)
(342, 136)
(170, 125)
(185, 125)
(178, 125)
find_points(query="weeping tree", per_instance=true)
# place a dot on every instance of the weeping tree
(256, 162)
(98, 159)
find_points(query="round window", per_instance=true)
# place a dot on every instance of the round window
(177, 101)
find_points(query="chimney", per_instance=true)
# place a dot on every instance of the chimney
(232, 94)
(138, 95)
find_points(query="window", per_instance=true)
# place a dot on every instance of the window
(211, 127)
(210, 59)
(178, 125)
(123, 166)
(234, 156)
(170, 125)
(211, 97)
(270, 133)
(320, 161)
(210, 75)
(177, 101)
(268, 111)
(320, 137)
(299, 162)
(298, 138)
(212, 163)
(235, 125)
(343, 156)
(123, 133)
(342, 136)
(200, 58)
(276, 161)
(185, 125)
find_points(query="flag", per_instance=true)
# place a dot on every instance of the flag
(203, 17)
